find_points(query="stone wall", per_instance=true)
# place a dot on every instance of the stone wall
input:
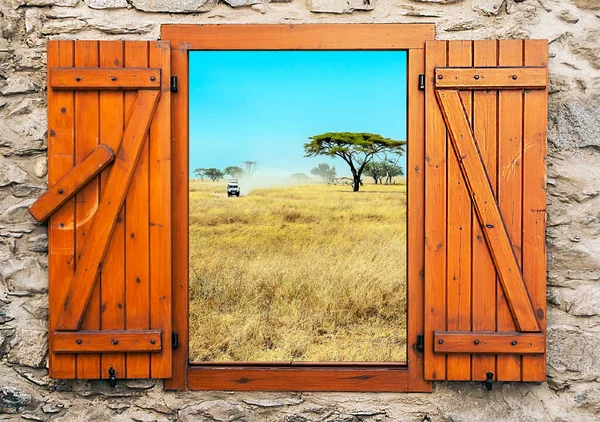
(572, 391)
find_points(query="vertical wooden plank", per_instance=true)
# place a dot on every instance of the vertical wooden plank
(61, 230)
(510, 143)
(435, 213)
(160, 214)
(484, 272)
(459, 212)
(137, 241)
(534, 201)
(416, 219)
(113, 266)
(180, 181)
(86, 201)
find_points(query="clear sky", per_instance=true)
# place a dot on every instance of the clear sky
(263, 105)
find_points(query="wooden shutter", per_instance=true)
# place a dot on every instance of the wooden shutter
(485, 256)
(108, 205)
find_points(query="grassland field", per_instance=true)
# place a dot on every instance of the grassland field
(308, 272)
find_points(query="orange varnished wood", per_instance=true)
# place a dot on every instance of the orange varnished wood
(510, 143)
(534, 201)
(86, 200)
(137, 229)
(484, 272)
(61, 230)
(160, 213)
(116, 341)
(316, 378)
(301, 37)
(80, 288)
(90, 78)
(458, 271)
(498, 240)
(491, 78)
(112, 290)
(71, 183)
(435, 214)
(298, 37)
(489, 342)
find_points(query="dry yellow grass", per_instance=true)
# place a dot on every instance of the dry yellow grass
(299, 273)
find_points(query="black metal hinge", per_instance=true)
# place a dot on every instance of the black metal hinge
(174, 340)
(422, 82)
(419, 346)
(173, 83)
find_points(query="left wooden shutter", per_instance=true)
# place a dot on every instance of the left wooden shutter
(109, 206)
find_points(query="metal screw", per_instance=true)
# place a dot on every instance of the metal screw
(440, 76)
(476, 342)
(152, 78)
(115, 341)
(79, 341)
(78, 78)
(489, 226)
(514, 77)
(152, 341)
(476, 77)
(440, 341)
(60, 191)
(513, 343)
(113, 78)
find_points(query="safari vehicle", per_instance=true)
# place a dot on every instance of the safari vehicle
(233, 188)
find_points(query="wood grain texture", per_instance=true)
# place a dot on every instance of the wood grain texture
(241, 378)
(483, 270)
(435, 213)
(491, 78)
(136, 230)
(112, 291)
(509, 196)
(298, 37)
(489, 342)
(90, 78)
(86, 201)
(458, 271)
(160, 213)
(498, 240)
(115, 341)
(535, 110)
(71, 183)
(80, 288)
(61, 227)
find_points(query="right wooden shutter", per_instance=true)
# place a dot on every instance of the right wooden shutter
(485, 206)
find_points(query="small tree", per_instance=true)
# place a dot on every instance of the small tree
(200, 173)
(249, 167)
(299, 178)
(391, 171)
(214, 174)
(234, 171)
(375, 170)
(356, 149)
(327, 173)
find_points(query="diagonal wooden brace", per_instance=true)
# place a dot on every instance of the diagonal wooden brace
(71, 183)
(480, 189)
(113, 196)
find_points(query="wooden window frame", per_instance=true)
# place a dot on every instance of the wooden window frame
(301, 376)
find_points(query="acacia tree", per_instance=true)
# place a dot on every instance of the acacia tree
(327, 173)
(234, 171)
(200, 173)
(249, 167)
(357, 149)
(375, 170)
(214, 174)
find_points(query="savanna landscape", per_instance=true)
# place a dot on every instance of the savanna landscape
(305, 271)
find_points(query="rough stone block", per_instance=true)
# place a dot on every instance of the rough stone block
(341, 6)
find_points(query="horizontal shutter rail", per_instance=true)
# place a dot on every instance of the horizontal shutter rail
(532, 77)
(485, 342)
(71, 183)
(77, 78)
(90, 263)
(492, 224)
(130, 341)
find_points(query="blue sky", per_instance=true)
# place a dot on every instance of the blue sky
(263, 105)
